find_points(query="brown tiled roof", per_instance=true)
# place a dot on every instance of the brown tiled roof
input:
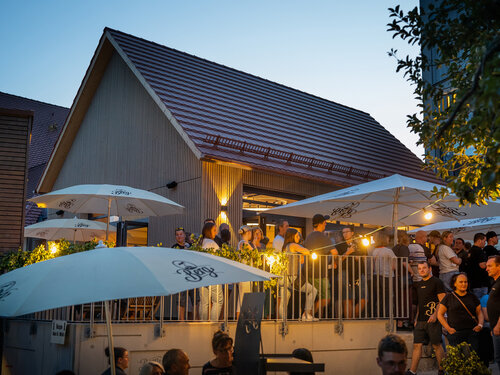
(210, 99)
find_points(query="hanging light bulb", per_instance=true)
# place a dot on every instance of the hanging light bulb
(365, 241)
(427, 215)
(314, 256)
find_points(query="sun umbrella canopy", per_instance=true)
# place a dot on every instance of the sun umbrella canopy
(384, 202)
(71, 229)
(106, 274)
(466, 228)
(122, 201)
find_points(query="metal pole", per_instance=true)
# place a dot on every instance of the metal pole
(340, 326)
(395, 216)
(107, 221)
(110, 339)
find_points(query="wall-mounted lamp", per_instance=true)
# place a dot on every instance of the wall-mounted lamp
(223, 208)
(171, 185)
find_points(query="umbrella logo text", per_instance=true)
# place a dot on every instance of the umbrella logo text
(192, 272)
(120, 192)
(481, 220)
(6, 289)
(347, 192)
(133, 209)
(67, 204)
(346, 212)
(443, 210)
(81, 225)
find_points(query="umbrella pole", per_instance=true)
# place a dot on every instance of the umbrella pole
(395, 216)
(110, 339)
(109, 218)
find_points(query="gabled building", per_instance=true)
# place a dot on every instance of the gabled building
(29, 130)
(221, 142)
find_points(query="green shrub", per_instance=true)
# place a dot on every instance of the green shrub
(462, 360)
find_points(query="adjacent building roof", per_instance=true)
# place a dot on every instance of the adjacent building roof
(228, 115)
(48, 121)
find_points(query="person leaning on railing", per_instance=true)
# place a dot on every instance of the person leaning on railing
(211, 294)
(295, 279)
(245, 243)
(353, 283)
(317, 271)
(385, 264)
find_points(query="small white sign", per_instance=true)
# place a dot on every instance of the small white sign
(58, 331)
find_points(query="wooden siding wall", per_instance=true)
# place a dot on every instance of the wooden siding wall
(125, 139)
(14, 140)
(223, 185)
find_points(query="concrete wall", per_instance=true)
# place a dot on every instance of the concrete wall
(354, 352)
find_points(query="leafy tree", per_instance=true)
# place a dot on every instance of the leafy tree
(460, 115)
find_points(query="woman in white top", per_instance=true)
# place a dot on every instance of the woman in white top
(292, 247)
(448, 259)
(211, 295)
(245, 243)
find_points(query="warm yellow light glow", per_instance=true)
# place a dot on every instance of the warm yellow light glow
(271, 260)
(223, 216)
(314, 256)
(428, 215)
(53, 247)
(223, 201)
(365, 241)
(41, 205)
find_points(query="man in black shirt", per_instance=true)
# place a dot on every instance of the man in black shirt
(476, 270)
(353, 274)
(428, 292)
(318, 243)
(491, 241)
(493, 306)
(459, 248)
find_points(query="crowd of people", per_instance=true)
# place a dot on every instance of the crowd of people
(456, 291)
(176, 361)
(452, 284)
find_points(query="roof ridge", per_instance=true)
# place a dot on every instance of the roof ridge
(32, 100)
(237, 70)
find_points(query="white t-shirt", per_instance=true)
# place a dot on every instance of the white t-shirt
(384, 258)
(278, 243)
(209, 244)
(445, 253)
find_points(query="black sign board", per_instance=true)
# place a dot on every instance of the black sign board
(247, 339)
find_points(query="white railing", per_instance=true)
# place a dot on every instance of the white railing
(332, 287)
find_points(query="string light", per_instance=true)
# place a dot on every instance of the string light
(53, 247)
(271, 260)
(365, 241)
(427, 215)
(314, 256)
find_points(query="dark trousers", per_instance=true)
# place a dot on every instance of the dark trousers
(466, 335)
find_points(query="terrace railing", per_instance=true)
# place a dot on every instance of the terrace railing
(332, 287)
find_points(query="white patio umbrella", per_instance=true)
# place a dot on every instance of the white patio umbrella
(71, 229)
(392, 201)
(465, 228)
(111, 199)
(116, 273)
